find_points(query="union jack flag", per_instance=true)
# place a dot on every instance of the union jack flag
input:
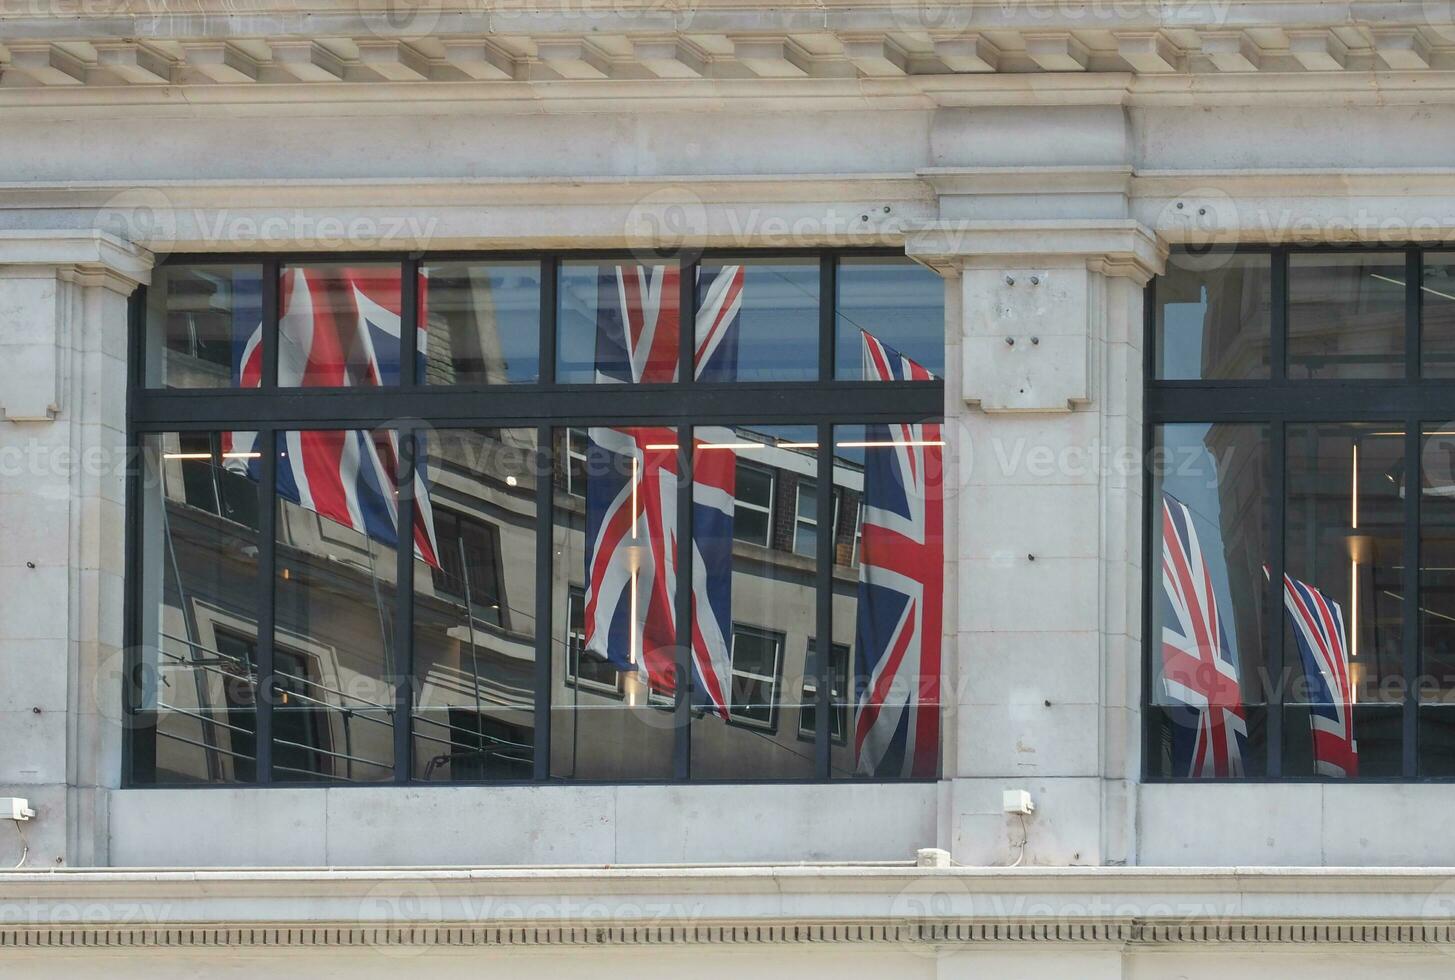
(1318, 627)
(631, 495)
(901, 586)
(1199, 673)
(337, 329)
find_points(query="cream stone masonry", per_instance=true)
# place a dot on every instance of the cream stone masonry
(63, 344)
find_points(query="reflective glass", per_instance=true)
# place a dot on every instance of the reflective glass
(757, 320)
(1214, 316)
(1344, 622)
(481, 322)
(754, 608)
(1346, 315)
(339, 326)
(204, 326)
(334, 654)
(474, 607)
(194, 696)
(889, 607)
(896, 301)
(614, 637)
(617, 322)
(1210, 543)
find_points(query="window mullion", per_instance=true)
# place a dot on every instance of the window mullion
(408, 454)
(823, 605)
(682, 603)
(545, 583)
(1410, 605)
(271, 297)
(263, 690)
(1278, 496)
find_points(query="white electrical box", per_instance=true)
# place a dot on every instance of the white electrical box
(15, 808)
(1016, 801)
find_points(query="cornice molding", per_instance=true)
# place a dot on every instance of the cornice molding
(86, 258)
(1112, 247)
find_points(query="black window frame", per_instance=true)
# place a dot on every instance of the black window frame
(1279, 402)
(546, 406)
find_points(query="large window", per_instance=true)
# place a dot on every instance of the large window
(388, 525)
(1300, 598)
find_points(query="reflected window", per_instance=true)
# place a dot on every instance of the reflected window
(575, 468)
(757, 660)
(838, 675)
(753, 505)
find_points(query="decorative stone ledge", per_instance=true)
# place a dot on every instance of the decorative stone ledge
(927, 935)
(726, 905)
(854, 42)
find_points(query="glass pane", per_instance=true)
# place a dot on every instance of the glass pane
(334, 588)
(757, 320)
(196, 715)
(204, 326)
(1437, 741)
(616, 322)
(896, 301)
(1346, 315)
(1437, 565)
(890, 609)
(754, 610)
(474, 607)
(1437, 316)
(614, 634)
(482, 323)
(839, 683)
(1210, 544)
(1343, 597)
(753, 506)
(1213, 316)
(339, 326)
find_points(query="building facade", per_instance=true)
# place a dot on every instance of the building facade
(1032, 560)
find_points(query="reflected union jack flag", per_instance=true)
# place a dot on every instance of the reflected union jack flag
(1318, 628)
(1199, 673)
(338, 328)
(901, 586)
(631, 487)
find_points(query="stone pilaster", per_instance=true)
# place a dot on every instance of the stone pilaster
(1044, 423)
(63, 357)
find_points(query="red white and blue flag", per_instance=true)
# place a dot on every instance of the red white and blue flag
(1318, 628)
(338, 328)
(1199, 673)
(901, 586)
(631, 487)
